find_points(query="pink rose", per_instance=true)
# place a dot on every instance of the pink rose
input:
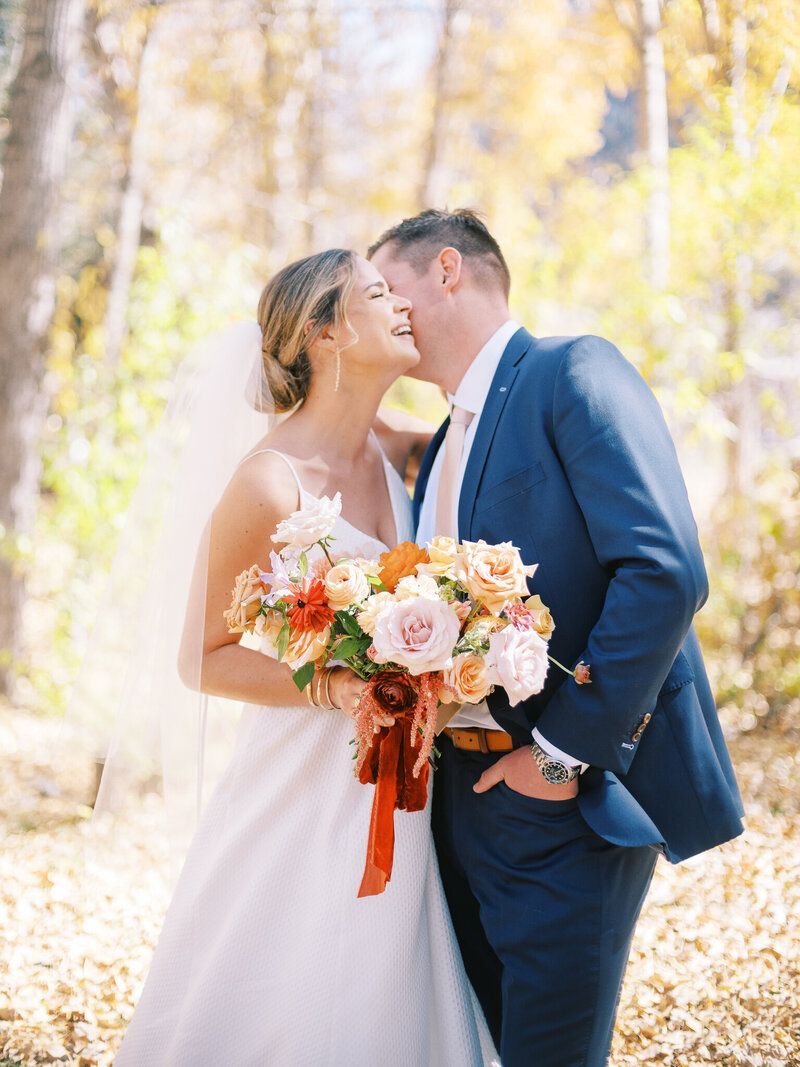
(418, 633)
(517, 660)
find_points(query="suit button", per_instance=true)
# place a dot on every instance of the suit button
(636, 736)
(647, 718)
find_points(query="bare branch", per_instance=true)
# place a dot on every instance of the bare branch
(777, 90)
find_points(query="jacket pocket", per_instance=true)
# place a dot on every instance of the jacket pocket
(509, 487)
(680, 674)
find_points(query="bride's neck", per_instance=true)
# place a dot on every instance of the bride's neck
(345, 415)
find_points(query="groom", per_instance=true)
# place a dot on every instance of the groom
(549, 816)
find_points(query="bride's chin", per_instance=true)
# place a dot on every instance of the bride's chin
(409, 360)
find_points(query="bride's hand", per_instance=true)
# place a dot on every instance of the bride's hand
(345, 688)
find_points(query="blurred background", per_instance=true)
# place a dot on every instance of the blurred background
(638, 162)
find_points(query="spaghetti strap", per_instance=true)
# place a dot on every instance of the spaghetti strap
(285, 459)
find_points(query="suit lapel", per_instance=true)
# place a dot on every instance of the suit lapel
(424, 474)
(503, 380)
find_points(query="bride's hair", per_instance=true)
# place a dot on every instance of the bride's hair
(313, 289)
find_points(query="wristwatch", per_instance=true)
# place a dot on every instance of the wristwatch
(553, 771)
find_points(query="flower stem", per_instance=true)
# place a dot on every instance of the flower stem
(566, 670)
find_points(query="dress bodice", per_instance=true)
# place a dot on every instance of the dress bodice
(349, 540)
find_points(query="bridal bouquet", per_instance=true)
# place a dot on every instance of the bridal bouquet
(422, 627)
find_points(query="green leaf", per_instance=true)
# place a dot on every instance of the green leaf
(303, 564)
(283, 641)
(350, 625)
(375, 581)
(350, 646)
(303, 675)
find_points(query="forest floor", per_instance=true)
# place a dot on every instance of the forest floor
(714, 977)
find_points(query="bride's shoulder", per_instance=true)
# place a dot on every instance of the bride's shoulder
(402, 435)
(263, 485)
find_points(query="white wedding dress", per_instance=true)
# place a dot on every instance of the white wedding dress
(267, 956)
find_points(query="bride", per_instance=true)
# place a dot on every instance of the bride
(267, 955)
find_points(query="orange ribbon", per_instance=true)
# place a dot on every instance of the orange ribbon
(389, 763)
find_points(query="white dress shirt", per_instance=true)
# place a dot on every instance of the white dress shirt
(471, 395)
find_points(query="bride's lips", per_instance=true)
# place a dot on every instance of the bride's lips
(403, 329)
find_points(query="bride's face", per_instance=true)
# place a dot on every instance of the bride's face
(380, 319)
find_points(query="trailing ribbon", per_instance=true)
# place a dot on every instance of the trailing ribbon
(389, 760)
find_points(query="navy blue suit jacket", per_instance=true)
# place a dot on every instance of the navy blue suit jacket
(573, 462)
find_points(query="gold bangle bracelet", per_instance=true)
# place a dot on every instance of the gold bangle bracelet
(331, 705)
(310, 692)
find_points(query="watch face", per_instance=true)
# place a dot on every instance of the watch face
(555, 773)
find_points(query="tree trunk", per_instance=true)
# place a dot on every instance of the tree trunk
(129, 221)
(33, 165)
(744, 409)
(311, 128)
(654, 82)
(435, 130)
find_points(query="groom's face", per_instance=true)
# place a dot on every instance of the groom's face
(428, 305)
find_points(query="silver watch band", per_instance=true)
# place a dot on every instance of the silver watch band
(554, 771)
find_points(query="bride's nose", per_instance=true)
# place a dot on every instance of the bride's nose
(401, 303)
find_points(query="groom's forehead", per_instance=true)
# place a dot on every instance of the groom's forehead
(394, 264)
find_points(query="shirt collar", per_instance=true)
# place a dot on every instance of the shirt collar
(474, 386)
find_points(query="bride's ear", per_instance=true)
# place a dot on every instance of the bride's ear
(325, 339)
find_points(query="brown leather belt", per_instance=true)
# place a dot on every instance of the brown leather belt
(477, 739)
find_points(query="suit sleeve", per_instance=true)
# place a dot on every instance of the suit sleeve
(621, 464)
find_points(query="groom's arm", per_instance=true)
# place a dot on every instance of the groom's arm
(621, 464)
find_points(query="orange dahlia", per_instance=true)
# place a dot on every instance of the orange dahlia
(401, 561)
(310, 610)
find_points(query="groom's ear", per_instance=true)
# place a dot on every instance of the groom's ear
(448, 266)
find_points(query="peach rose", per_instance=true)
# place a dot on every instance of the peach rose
(268, 627)
(467, 678)
(245, 601)
(346, 584)
(442, 552)
(304, 646)
(493, 574)
(542, 619)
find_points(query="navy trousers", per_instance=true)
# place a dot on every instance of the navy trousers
(544, 911)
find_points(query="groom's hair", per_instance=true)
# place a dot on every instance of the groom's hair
(419, 239)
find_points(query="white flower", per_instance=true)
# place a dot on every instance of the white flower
(308, 525)
(517, 660)
(417, 585)
(418, 633)
(372, 608)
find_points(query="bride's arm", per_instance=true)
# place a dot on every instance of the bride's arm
(260, 494)
(404, 438)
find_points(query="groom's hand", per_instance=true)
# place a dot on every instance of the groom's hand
(520, 771)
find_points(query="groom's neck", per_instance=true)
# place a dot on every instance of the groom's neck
(471, 329)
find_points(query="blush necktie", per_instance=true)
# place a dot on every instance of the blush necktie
(446, 521)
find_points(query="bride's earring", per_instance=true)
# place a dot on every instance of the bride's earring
(338, 371)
